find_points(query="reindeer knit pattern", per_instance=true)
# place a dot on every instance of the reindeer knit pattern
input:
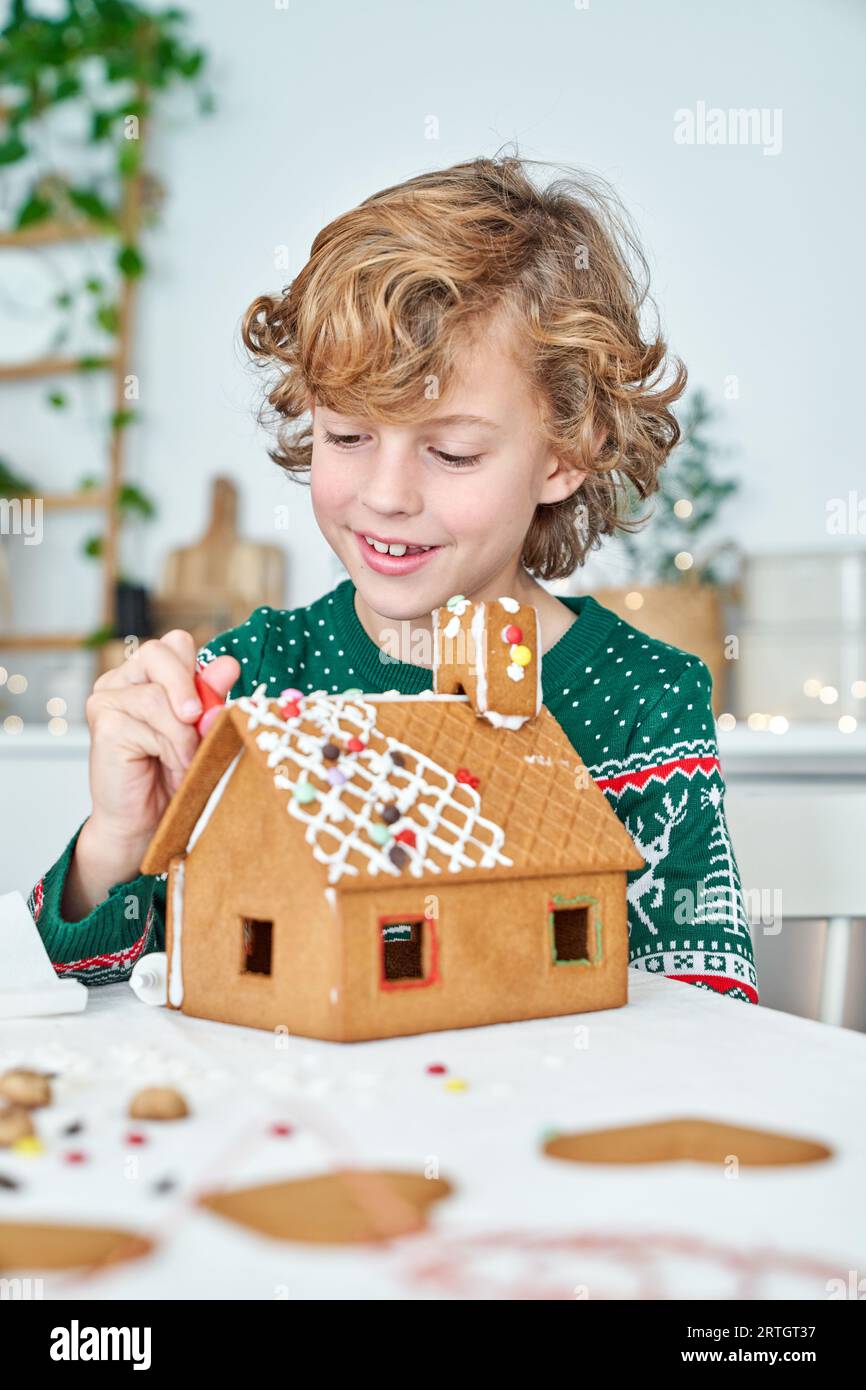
(637, 711)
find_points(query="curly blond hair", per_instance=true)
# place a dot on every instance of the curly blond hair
(394, 288)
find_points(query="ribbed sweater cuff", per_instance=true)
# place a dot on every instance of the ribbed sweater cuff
(112, 926)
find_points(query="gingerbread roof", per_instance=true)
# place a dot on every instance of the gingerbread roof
(458, 794)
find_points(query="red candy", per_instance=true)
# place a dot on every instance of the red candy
(75, 1156)
(281, 1131)
(513, 634)
(136, 1139)
(407, 837)
(289, 710)
(464, 775)
(355, 745)
(436, 1068)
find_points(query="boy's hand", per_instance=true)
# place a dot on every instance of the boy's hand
(142, 717)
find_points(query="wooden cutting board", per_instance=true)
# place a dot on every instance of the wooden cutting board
(217, 582)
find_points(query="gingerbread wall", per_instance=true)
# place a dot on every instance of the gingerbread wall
(251, 861)
(492, 960)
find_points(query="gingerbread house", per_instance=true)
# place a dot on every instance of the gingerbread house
(360, 866)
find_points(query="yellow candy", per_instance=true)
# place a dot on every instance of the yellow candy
(455, 1084)
(30, 1145)
(521, 656)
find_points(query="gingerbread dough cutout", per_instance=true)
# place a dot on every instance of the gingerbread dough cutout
(346, 1206)
(26, 1247)
(693, 1140)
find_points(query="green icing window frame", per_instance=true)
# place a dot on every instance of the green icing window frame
(555, 903)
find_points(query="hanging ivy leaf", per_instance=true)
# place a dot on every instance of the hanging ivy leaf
(92, 547)
(90, 204)
(107, 318)
(57, 400)
(130, 262)
(129, 158)
(121, 418)
(12, 150)
(93, 363)
(35, 210)
(131, 499)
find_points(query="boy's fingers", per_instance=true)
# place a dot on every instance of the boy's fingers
(147, 707)
(159, 662)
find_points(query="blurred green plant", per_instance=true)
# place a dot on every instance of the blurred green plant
(131, 503)
(105, 60)
(685, 511)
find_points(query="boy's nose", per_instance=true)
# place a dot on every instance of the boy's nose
(390, 485)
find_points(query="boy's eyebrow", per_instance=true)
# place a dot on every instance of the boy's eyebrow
(444, 420)
(461, 420)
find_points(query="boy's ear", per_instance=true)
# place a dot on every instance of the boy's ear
(562, 482)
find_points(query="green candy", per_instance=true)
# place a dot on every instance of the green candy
(379, 834)
(454, 600)
(304, 792)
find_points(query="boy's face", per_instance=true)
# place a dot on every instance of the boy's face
(407, 485)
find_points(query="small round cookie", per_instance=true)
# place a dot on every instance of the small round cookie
(158, 1103)
(28, 1088)
(15, 1124)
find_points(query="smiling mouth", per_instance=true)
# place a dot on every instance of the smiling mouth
(397, 547)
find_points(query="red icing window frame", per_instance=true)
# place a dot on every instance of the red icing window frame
(431, 949)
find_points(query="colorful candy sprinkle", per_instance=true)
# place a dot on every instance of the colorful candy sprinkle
(335, 777)
(379, 834)
(136, 1138)
(355, 745)
(75, 1156)
(464, 775)
(289, 710)
(406, 837)
(512, 634)
(397, 758)
(521, 656)
(330, 752)
(436, 1068)
(29, 1146)
(398, 856)
(281, 1131)
(354, 690)
(455, 601)
(304, 792)
(456, 1083)
(390, 814)
(290, 693)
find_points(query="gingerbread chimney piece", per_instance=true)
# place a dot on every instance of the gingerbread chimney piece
(490, 651)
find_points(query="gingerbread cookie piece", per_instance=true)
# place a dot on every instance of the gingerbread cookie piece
(15, 1124)
(490, 651)
(158, 1103)
(28, 1088)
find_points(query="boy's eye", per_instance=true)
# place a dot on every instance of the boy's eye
(348, 441)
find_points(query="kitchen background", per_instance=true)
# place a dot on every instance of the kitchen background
(144, 202)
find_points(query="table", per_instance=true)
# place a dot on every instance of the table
(518, 1222)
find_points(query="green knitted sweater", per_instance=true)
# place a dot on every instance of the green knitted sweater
(638, 713)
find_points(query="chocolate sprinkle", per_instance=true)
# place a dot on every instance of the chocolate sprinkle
(330, 752)
(165, 1185)
(398, 856)
(397, 758)
(390, 814)
(75, 1128)
(9, 1183)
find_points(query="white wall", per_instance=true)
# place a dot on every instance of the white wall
(755, 257)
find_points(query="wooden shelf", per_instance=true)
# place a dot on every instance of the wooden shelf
(56, 366)
(41, 641)
(55, 233)
(89, 499)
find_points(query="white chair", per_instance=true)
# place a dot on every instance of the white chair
(806, 839)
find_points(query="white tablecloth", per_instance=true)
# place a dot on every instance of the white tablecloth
(518, 1222)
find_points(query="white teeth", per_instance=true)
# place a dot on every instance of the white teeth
(397, 549)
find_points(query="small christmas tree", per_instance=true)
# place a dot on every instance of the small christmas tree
(673, 546)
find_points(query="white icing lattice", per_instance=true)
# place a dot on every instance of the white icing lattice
(339, 820)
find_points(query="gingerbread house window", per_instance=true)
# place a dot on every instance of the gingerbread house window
(402, 949)
(257, 939)
(574, 929)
